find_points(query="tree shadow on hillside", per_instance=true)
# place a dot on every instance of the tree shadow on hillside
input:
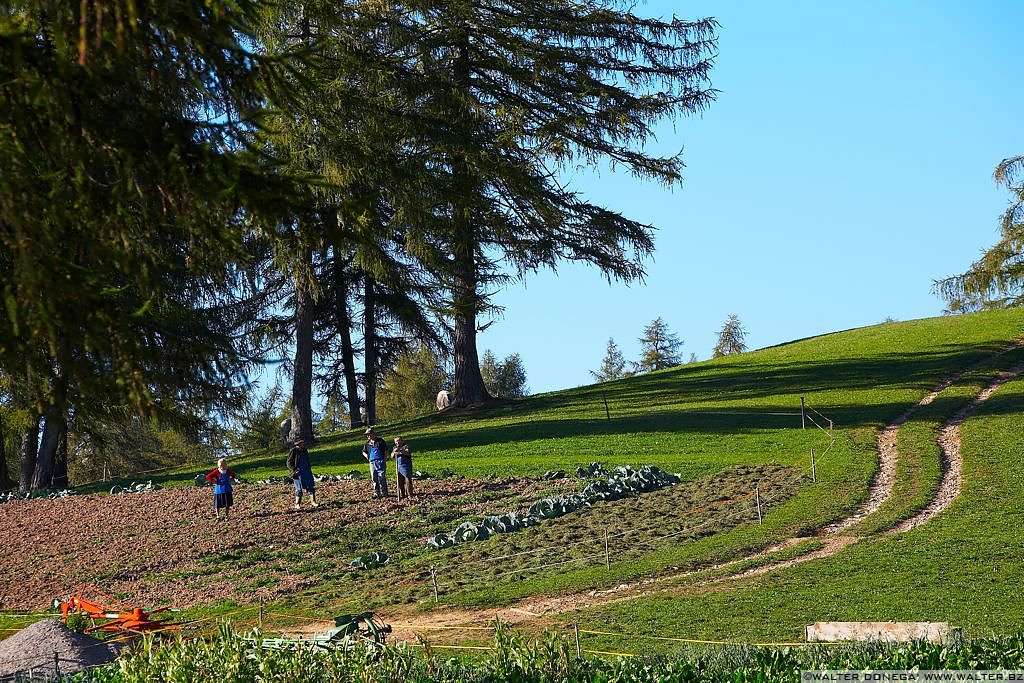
(655, 403)
(662, 422)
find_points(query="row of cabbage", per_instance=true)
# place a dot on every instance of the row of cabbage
(621, 482)
(8, 496)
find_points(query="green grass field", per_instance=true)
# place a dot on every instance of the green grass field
(729, 427)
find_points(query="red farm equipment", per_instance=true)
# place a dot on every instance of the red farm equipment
(123, 620)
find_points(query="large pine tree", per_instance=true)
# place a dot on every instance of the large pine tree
(512, 93)
(126, 187)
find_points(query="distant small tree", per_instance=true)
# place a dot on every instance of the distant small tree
(659, 348)
(258, 422)
(730, 338)
(693, 358)
(505, 379)
(996, 280)
(613, 366)
(411, 387)
(335, 417)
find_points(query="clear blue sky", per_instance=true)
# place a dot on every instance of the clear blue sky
(845, 166)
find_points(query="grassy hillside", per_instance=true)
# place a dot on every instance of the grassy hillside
(963, 567)
(731, 427)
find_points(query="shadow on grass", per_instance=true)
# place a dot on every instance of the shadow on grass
(656, 403)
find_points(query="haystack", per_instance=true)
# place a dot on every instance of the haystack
(46, 643)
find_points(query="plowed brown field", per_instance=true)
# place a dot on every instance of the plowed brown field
(156, 548)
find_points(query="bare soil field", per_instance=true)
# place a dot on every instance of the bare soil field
(156, 548)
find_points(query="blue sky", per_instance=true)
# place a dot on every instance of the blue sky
(845, 166)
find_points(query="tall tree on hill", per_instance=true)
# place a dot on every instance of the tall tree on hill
(508, 93)
(996, 280)
(730, 338)
(348, 131)
(613, 365)
(659, 348)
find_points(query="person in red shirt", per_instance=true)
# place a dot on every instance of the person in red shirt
(221, 479)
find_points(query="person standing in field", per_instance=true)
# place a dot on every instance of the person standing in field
(221, 479)
(403, 467)
(301, 473)
(375, 450)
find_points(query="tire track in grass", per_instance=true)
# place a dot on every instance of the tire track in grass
(883, 483)
(952, 459)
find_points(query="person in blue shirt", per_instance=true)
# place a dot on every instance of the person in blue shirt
(375, 450)
(301, 473)
(221, 479)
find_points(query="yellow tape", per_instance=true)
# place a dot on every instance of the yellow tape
(678, 640)
(700, 642)
(602, 652)
(425, 627)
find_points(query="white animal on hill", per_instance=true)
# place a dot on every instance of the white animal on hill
(443, 400)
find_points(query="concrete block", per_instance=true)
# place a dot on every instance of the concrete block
(885, 631)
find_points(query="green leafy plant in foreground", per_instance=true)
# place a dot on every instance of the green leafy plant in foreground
(231, 657)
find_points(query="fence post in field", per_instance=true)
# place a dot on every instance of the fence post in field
(814, 469)
(757, 499)
(261, 613)
(579, 651)
(803, 423)
(56, 664)
(433, 578)
(607, 557)
(607, 413)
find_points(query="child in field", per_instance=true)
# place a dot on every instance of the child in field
(403, 466)
(221, 479)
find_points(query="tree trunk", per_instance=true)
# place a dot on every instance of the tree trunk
(469, 382)
(60, 467)
(302, 379)
(370, 368)
(29, 450)
(54, 424)
(5, 478)
(344, 324)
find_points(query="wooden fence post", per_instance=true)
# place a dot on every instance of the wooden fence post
(814, 470)
(757, 498)
(803, 423)
(433, 578)
(579, 651)
(607, 557)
